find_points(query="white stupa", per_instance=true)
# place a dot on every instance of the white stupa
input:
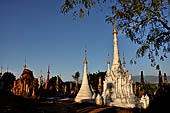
(85, 93)
(117, 87)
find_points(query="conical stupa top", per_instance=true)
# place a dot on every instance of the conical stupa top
(25, 63)
(85, 61)
(48, 74)
(48, 69)
(7, 69)
(119, 60)
(108, 62)
(116, 59)
(114, 31)
(124, 59)
(40, 79)
(41, 74)
(1, 70)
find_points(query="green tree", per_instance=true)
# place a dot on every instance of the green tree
(145, 22)
(76, 76)
(8, 80)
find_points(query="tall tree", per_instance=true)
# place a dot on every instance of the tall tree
(145, 22)
(8, 80)
(76, 76)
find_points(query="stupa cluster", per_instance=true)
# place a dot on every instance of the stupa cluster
(29, 86)
(116, 89)
(117, 86)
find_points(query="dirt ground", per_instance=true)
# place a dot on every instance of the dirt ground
(16, 104)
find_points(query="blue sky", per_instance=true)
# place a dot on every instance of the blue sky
(36, 29)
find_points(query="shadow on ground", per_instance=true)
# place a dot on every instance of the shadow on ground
(17, 104)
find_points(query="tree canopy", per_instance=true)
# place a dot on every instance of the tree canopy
(8, 80)
(144, 22)
(76, 76)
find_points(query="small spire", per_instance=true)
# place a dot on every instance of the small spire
(124, 59)
(7, 69)
(119, 60)
(40, 82)
(108, 62)
(1, 70)
(48, 69)
(41, 74)
(25, 63)
(85, 61)
(114, 31)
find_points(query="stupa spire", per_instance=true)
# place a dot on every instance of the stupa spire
(40, 79)
(85, 91)
(85, 79)
(7, 69)
(116, 59)
(48, 74)
(48, 69)
(114, 31)
(1, 70)
(108, 62)
(124, 63)
(108, 65)
(25, 63)
(124, 59)
(85, 60)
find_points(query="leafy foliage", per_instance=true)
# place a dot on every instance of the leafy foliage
(76, 76)
(94, 79)
(145, 22)
(8, 80)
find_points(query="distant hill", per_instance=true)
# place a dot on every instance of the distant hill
(150, 79)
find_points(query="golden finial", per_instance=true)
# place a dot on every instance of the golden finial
(40, 74)
(108, 62)
(85, 61)
(25, 63)
(124, 59)
(114, 31)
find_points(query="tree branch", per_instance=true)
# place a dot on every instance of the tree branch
(164, 24)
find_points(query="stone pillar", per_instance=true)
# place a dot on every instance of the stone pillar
(21, 88)
(16, 91)
(33, 92)
(26, 88)
(71, 87)
(108, 66)
(24, 85)
(160, 80)
(100, 85)
(135, 88)
(47, 81)
(13, 91)
(57, 84)
(131, 87)
(65, 89)
(15, 84)
(20, 85)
